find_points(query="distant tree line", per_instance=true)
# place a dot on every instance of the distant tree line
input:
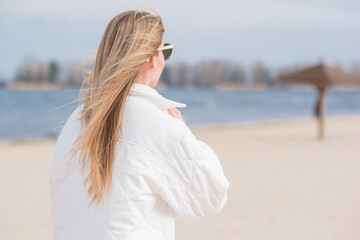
(204, 73)
(33, 71)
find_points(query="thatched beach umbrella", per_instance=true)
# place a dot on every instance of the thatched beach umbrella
(322, 77)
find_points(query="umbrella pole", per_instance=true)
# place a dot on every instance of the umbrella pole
(321, 116)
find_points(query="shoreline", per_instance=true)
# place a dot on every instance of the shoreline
(274, 121)
(163, 86)
(205, 127)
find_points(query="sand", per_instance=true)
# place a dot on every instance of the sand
(284, 183)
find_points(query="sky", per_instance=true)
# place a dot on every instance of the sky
(275, 32)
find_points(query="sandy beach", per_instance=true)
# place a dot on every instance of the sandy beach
(284, 183)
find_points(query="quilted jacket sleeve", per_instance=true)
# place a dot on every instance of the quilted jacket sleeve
(193, 182)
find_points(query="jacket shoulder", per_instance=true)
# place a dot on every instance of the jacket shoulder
(146, 125)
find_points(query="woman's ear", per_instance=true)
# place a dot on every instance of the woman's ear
(152, 61)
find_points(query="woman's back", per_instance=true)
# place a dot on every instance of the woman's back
(160, 171)
(125, 163)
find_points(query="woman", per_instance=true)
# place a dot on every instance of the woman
(125, 163)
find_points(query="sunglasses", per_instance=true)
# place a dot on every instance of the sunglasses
(167, 50)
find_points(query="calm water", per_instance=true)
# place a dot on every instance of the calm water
(26, 114)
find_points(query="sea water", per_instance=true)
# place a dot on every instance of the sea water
(28, 114)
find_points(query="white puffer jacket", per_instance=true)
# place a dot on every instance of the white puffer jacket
(160, 171)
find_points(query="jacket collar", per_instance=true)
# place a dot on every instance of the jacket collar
(154, 96)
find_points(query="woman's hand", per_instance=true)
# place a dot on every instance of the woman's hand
(175, 113)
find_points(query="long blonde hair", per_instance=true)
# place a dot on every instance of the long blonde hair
(129, 39)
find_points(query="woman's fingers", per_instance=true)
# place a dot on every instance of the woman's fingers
(174, 112)
(177, 111)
